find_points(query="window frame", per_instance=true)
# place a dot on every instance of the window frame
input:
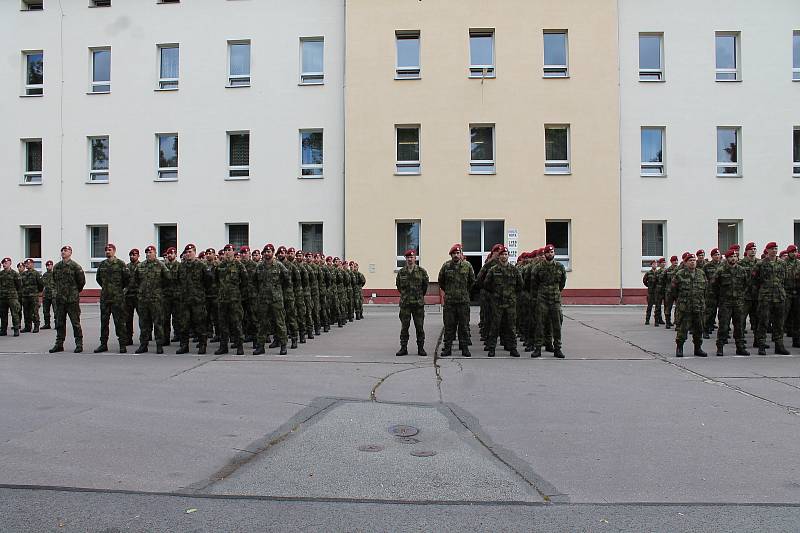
(161, 251)
(312, 78)
(407, 73)
(322, 236)
(229, 238)
(660, 73)
(32, 5)
(163, 170)
(311, 166)
(107, 172)
(94, 84)
(649, 164)
(485, 248)
(400, 259)
(738, 222)
(26, 245)
(167, 84)
(28, 176)
(738, 163)
(737, 51)
(415, 166)
(233, 169)
(647, 259)
(478, 71)
(235, 79)
(796, 160)
(94, 261)
(28, 88)
(475, 165)
(555, 71)
(565, 260)
(795, 57)
(99, 3)
(558, 167)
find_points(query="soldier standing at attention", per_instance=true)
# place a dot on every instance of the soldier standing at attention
(271, 280)
(10, 288)
(667, 293)
(131, 294)
(151, 277)
(112, 277)
(659, 320)
(305, 294)
(361, 280)
(769, 275)
(212, 307)
(412, 282)
(649, 280)
(32, 286)
(792, 315)
(171, 300)
(710, 269)
(232, 279)
(748, 262)
(728, 288)
(548, 280)
(250, 320)
(456, 278)
(69, 281)
(290, 298)
(49, 294)
(689, 290)
(484, 297)
(503, 281)
(193, 280)
(314, 279)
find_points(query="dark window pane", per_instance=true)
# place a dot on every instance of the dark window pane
(101, 66)
(407, 237)
(239, 149)
(239, 235)
(100, 153)
(34, 156)
(99, 237)
(555, 143)
(652, 145)
(312, 147)
(240, 59)
(652, 239)
(555, 48)
(728, 234)
(167, 237)
(312, 56)
(407, 144)
(471, 235)
(726, 51)
(35, 69)
(33, 242)
(557, 234)
(797, 233)
(726, 145)
(480, 49)
(169, 62)
(650, 51)
(796, 49)
(481, 145)
(167, 151)
(493, 233)
(407, 51)
(311, 237)
(796, 146)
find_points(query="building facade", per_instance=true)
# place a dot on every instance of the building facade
(475, 122)
(168, 122)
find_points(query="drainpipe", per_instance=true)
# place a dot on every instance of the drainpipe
(619, 169)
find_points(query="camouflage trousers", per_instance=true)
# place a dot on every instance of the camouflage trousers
(131, 306)
(30, 310)
(484, 323)
(193, 319)
(48, 303)
(272, 321)
(728, 313)
(503, 324)
(115, 309)
(300, 311)
(417, 312)
(230, 321)
(151, 321)
(290, 312)
(9, 305)
(73, 311)
(686, 320)
(548, 315)
(212, 316)
(652, 301)
(711, 312)
(315, 310)
(770, 313)
(324, 320)
(751, 310)
(791, 320)
(309, 320)
(250, 318)
(358, 300)
(668, 309)
(171, 314)
(456, 320)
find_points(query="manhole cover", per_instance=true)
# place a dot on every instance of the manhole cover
(407, 440)
(401, 430)
(423, 453)
(370, 448)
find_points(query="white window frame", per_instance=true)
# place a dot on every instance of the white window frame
(168, 1)
(312, 78)
(410, 167)
(400, 259)
(99, 3)
(240, 80)
(647, 259)
(31, 177)
(300, 239)
(795, 162)
(482, 253)
(99, 173)
(407, 73)
(31, 89)
(93, 84)
(157, 227)
(724, 164)
(795, 70)
(37, 261)
(565, 260)
(561, 167)
(660, 167)
(32, 5)
(653, 75)
(233, 169)
(737, 50)
(482, 166)
(556, 71)
(738, 222)
(161, 169)
(310, 166)
(481, 71)
(167, 84)
(228, 238)
(94, 262)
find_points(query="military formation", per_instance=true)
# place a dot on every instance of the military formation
(721, 293)
(518, 302)
(273, 298)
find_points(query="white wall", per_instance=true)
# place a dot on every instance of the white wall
(766, 104)
(274, 201)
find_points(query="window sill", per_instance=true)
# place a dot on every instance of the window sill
(735, 176)
(97, 92)
(95, 182)
(310, 177)
(729, 81)
(653, 175)
(487, 77)
(237, 86)
(304, 83)
(160, 180)
(558, 173)
(399, 78)
(556, 77)
(652, 81)
(30, 184)
(471, 173)
(238, 178)
(796, 175)
(167, 90)
(31, 95)
(408, 173)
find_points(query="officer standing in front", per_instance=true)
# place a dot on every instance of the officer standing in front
(456, 278)
(412, 282)
(69, 280)
(112, 276)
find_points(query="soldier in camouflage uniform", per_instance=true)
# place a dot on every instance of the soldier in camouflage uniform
(112, 277)
(290, 298)
(348, 291)
(358, 294)
(456, 278)
(669, 272)
(315, 280)
(326, 318)
(171, 300)
(650, 280)
(689, 291)
(32, 286)
(709, 269)
(503, 281)
(232, 279)
(769, 275)
(412, 282)
(659, 298)
(728, 288)
(131, 294)
(484, 297)
(749, 262)
(10, 289)
(305, 293)
(48, 298)
(341, 297)
(792, 315)
(212, 292)
(151, 276)
(250, 320)
(271, 281)
(193, 281)
(548, 280)
(69, 281)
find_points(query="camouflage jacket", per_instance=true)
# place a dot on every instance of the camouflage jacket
(250, 266)
(232, 279)
(271, 279)
(10, 284)
(112, 276)
(669, 272)
(132, 290)
(661, 279)
(769, 277)
(730, 284)
(49, 285)
(151, 277)
(749, 264)
(689, 289)
(456, 280)
(294, 280)
(305, 277)
(32, 283)
(69, 281)
(171, 288)
(193, 282)
(649, 280)
(313, 278)
(412, 284)
(548, 279)
(213, 288)
(482, 273)
(792, 281)
(362, 279)
(503, 282)
(710, 269)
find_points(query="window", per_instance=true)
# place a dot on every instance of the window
(310, 153)
(796, 152)
(238, 63)
(167, 236)
(481, 149)
(478, 237)
(238, 154)
(728, 152)
(32, 5)
(98, 238)
(796, 56)
(312, 59)
(168, 66)
(408, 64)
(34, 72)
(797, 233)
(407, 150)
(728, 53)
(101, 70)
(557, 233)
(99, 3)
(481, 54)
(32, 237)
(652, 242)
(168, 2)
(556, 149)
(652, 152)
(32, 174)
(238, 235)
(651, 57)
(98, 159)
(555, 54)
(167, 156)
(728, 232)
(311, 236)
(407, 239)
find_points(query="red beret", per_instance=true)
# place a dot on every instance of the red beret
(66, 247)
(269, 246)
(189, 246)
(782, 253)
(337, 259)
(535, 253)
(201, 255)
(210, 251)
(455, 248)
(662, 260)
(771, 245)
(730, 253)
(46, 264)
(298, 252)
(690, 256)
(503, 249)
(791, 248)
(227, 247)
(749, 246)
(281, 249)
(244, 249)
(351, 263)
(673, 258)
(172, 250)
(111, 245)
(408, 253)
(150, 248)
(714, 251)
(496, 248)
(134, 251)
(549, 248)
(6, 259)
(735, 247)
(700, 252)
(289, 250)
(685, 255)
(328, 259)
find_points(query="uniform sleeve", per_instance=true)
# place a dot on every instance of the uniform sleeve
(99, 275)
(80, 278)
(425, 282)
(244, 282)
(563, 281)
(39, 282)
(126, 276)
(673, 286)
(18, 282)
(440, 279)
(399, 282)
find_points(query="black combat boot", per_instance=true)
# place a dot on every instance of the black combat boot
(302, 337)
(26, 329)
(259, 350)
(403, 349)
(548, 347)
(668, 325)
(57, 348)
(239, 347)
(513, 352)
(698, 351)
(421, 350)
(223, 347)
(275, 343)
(142, 348)
(166, 341)
(16, 332)
(294, 344)
(679, 349)
(742, 351)
(201, 348)
(46, 325)
(310, 333)
(465, 351)
(780, 349)
(491, 352)
(558, 353)
(159, 348)
(35, 328)
(184, 348)
(123, 348)
(537, 352)
(447, 350)
(762, 350)
(719, 350)
(326, 329)
(102, 348)
(78, 345)
(283, 349)
(317, 332)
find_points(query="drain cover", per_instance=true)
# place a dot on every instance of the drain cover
(407, 440)
(423, 453)
(370, 448)
(401, 430)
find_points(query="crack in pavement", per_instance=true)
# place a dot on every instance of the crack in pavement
(414, 366)
(209, 360)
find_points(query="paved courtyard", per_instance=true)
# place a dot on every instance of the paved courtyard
(621, 435)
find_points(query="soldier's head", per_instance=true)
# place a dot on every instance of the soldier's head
(150, 253)
(783, 255)
(411, 257)
(134, 255)
(269, 252)
(502, 255)
(171, 254)
(21, 267)
(309, 257)
(662, 262)
(792, 251)
(6, 263)
(715, 255)
(731, 257)
(750, 250)
(49, 265)
(735, 248)
(227, 252)
(455, 253)
(256, 255)
(66, 252)
(244, 252)
(329, 260)
(189, 252)
(281, 253)
(299, 256)
(549, 252)
(690, 262)
(673, 260)
(111, 251)
(237, 256)
(700, 255)
(29, 264)
(355, 266)
(771, 249)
